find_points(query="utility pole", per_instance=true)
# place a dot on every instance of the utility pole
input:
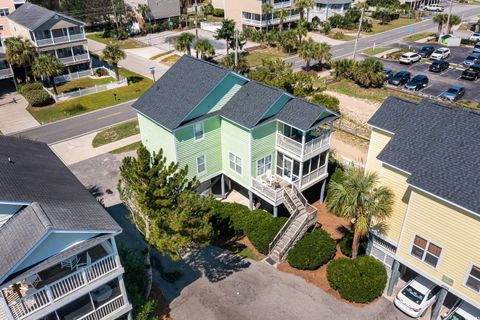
(196, 26)
(358, 34)
(449, 14)
(236, 47)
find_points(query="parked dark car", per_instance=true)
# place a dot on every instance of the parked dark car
(453, 93)
(418, 82)
(473, 58)
(426, 51)
(439, 66)
(476, 48)
(400, 78)
(388, 73)
(472, 73)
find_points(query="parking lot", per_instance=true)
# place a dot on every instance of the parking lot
(439, 82)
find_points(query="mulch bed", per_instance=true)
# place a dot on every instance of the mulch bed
(162, 310)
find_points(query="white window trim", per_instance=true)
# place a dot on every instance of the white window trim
(204, 163)
(425, 251)
(6, 9)
(194, 132)
(235, 162)
(467, 275)
(264, 165)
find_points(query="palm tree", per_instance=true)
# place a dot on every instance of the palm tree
(205, 48)
(454, 20)
(440, 19)
(48, 66)
(324, 54)
(113, 54)
(267, 8)
(19, 52)
(302, 5)
(282, 14)
(184, 42)
(308, 51)
(144, 10)
(357, 196)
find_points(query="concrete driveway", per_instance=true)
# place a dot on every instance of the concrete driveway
(13, 114)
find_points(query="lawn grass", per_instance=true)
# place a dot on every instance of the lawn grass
(115, 133)
(417, 36)
(339, 34)
(397, 54)
(171, 60)
(82, 83)
(378, 28)
(124, 44)
(255, 57)
(155, 57)
(129, 147)
(372, 52)
(240, 249)
(137, 86)
(377, 95)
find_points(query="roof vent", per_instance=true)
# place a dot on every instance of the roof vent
(10, 160)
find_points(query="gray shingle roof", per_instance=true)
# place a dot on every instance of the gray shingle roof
(250, 103)
(302, 114)
(32, 16)
(438, 145)
(179, 90)
(392, 109)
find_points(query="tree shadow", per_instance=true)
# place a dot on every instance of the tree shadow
(134, 79)
(215, 263)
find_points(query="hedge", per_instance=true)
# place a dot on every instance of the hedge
(263, 229)
(218, 12)
(328, 101)
(38, 98)
(30, 86)
(346, 245)
(360, 280)
(312, 251)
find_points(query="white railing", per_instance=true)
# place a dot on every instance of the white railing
(77, 36)
(275, 195)
(82, 56)
(6, 73)
(61, 39)
(65, 60)
(75, 58)
(72, 76)
(310, 148)
(56, 290)
(105, 310)
(95, 89)
(283, 4)
(313, 176)
(269, 22)
(43, 42)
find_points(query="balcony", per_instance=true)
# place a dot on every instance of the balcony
(295, 147)
(272, 189)
(74, 59)
(269, 22)
(62, 39)
(282, 4)
(55, 283)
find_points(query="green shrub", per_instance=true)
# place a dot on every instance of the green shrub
(346, 245)
(328, 101)
(218, 12)
(30, 86)
(338, 35)
(100, 72)
(361, 280)
(312, 251)
(38, 98)
(262, 229)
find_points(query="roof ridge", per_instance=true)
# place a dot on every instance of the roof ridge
(41, 215)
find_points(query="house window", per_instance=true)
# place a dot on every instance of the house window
(1, 28)
(426, 251)
(4, 12)
(201, 166)
(235, 163)
(198, 131)
(264, 165)
(473, 279)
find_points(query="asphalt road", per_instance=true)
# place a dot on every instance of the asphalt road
(388, 37)
(80, 125)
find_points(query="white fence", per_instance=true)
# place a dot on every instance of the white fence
(95, 89)
(80, 74)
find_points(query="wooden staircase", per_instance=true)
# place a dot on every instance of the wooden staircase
(302, 217)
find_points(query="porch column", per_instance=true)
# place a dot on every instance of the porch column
(300, 175)
(222, 185)
(121, 283)
(439, 303)
(275, 211)
(68, 35)
(393, 277)
(322, 191)
(56, 53)
(51, 36)
(303, 142)
(6, 309)
(73, 55)
(34, 38)
(250, 200)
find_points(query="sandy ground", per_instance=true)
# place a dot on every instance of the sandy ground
(357, 109)
(349, 149)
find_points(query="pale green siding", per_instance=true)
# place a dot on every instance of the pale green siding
(236, 139)
(277, 106)
(210, 145)
(155, 137)
(218, 97)
(263, 144)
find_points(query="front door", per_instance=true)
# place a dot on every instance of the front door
(287, 168)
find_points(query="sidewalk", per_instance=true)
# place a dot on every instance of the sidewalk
(14, 117)
(79, 149)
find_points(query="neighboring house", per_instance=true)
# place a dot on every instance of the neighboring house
(249, 13)
(218, 4)
(6, 8)
(323, 9)
(234, 133)
(159, 9)
(58, 258)
(429, 155)
(52, 33)
(6, 71)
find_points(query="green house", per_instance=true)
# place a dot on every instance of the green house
(235, 133)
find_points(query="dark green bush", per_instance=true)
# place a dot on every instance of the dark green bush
(38, 98)
(312, 251)
(328, 101)
(361, 280)
(346, 245)
(30, 86)
(262, 229)
(100, 72)
(218, 12)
